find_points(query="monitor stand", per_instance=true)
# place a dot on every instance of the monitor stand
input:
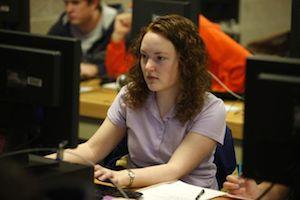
(46, 169)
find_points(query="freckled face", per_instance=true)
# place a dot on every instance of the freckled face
(159, 63)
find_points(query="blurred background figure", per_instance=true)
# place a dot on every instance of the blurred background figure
(92, 22)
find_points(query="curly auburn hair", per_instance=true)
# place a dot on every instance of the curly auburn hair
(194, 79)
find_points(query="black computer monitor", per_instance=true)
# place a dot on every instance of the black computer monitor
(15, 15)
(295, 30)
(144, 11)
(220, 10)
(39, 116)
(30, 75)
(272, 120)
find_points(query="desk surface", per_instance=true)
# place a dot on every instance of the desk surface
(95, 103)
(96, 181)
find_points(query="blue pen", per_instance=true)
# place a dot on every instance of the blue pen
(239, 169)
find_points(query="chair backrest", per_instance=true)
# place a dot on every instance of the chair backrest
(225, 159)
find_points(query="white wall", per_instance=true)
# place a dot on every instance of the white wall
(43, 13)
(262, 18)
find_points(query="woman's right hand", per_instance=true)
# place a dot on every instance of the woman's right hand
(241, 186)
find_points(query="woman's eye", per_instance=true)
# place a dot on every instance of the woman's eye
(143, 56)
(161, 58)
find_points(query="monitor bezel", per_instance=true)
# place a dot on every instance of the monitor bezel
(68, 121)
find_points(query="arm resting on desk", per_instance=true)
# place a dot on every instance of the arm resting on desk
(97, 147)
(189, 154)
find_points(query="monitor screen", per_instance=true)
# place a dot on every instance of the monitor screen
(295, 30)
(39, 90)
(29, 75)
(144, 11)
(220, 10)
(15, 15)
(272, 119)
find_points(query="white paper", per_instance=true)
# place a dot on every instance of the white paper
(178, 191)
(111, 85)
(85, 89)
(232, 108)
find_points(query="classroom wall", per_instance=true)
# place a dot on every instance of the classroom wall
(258, 18)
(262, 18)
(45, 12)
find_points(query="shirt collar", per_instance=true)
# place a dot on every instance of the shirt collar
(154, 110)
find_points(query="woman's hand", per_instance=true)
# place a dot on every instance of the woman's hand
(119, 178)
(241, 186)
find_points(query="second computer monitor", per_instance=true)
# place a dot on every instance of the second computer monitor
(272, 120)
(15, 15)
(54, 109)
(144, 11)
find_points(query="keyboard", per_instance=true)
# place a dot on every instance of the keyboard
(102, 190)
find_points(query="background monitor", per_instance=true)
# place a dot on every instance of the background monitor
(220, 10)
(15, 15)
(272, 120)
(144, 11)
(295, 29)
(51, 112)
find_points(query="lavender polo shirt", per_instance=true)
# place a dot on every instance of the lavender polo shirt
(152, 139)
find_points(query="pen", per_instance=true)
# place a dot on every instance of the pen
(200, 194)
(239, 169)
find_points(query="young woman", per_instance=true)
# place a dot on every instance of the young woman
(172, 123)
(227, 58)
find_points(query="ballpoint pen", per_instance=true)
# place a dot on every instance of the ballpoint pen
(200, 194)
(239, 169)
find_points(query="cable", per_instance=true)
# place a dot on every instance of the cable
(225, 87)
(32, 150)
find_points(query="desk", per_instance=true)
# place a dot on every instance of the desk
(95, 103)
(105, 185)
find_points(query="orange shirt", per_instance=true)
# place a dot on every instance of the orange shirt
(227, 58)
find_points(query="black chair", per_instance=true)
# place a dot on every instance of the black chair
(225, 159)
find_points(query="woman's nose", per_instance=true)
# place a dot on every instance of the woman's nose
(150, 65)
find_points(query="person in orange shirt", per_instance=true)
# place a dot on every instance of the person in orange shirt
(227, 58)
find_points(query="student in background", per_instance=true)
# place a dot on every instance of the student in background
(250, 189)
(91, 21)
(171, 120)
(227, 59)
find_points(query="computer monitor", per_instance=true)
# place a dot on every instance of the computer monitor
(272, 120)
(15, 15)
(30, 75)
(144, 11)
(220, 10)
(39, 116)
(295, 30)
